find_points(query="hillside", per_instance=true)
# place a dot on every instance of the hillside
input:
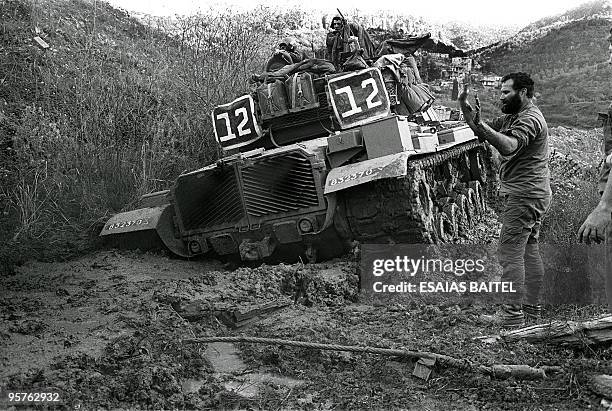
(111, 110)
(568, 65)
(590, 9)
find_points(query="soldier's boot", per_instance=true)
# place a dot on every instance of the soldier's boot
(507, 316)
(533, 312)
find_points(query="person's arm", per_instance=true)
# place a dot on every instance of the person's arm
(329, 42)
(505, 144)
(594, 227)
(295, 55)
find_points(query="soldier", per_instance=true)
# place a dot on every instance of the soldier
(286, 53)
(598, 225)
(521, 137)
(342, 35)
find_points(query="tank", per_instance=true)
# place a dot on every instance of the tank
(312, 165)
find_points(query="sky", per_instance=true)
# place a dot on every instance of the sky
(477, 12)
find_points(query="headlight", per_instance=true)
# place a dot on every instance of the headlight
(305, 225)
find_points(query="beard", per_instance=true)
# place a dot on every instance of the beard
(511, 106)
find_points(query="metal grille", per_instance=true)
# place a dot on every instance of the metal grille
(299, 118)
(209, 199)
(279, 184)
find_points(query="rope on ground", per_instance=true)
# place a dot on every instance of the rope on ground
(496, 370)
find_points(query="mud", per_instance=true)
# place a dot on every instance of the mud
(106, 331)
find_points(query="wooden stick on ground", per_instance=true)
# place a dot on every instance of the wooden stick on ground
(567, 333)
(496, 371)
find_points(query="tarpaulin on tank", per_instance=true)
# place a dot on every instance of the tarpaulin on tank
(314, 66)
(411, 44)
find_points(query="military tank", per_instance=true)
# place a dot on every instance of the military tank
(335, 163)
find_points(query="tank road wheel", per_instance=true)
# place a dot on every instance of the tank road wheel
(479, 196)
(441, 235)
(424, 200)
(464, 167)
(491, 164)
(471, 202)
(477, 167)
(450, 214)
(464, 215)
(449, 177)
(391, 210)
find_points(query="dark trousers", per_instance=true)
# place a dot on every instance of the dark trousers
(608, 273)
(519, 252)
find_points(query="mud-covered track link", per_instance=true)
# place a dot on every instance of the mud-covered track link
(439, 200)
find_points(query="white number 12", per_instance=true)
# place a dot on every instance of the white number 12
(369, 100)
(373, 94)
(241, 131)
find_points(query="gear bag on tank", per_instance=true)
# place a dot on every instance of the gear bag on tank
(301, 93)
(272, 99)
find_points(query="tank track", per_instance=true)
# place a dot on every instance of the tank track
(443, 195)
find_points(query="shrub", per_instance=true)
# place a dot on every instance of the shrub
(113, 110)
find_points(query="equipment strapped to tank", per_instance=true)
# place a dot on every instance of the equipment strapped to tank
(323, 161)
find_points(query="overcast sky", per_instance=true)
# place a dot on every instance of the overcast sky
(515, 12)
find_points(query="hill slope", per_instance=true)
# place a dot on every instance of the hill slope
(568, 65)
(111, 110)
(590, 9)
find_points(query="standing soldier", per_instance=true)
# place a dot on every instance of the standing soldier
(598, 225)
(342, 35)
(521, 137)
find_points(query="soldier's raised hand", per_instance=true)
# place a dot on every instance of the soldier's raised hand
(477, 110)
(463, 97)
(472, 117)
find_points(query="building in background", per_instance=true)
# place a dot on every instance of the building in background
(491, 81)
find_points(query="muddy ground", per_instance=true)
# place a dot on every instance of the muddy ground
(108, 330)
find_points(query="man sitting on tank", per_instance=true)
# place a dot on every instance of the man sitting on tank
(520, 136)
(287, 53)
(343, 34)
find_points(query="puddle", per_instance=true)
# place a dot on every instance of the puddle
(274, 379)
(225, 361)
(192, 386)
(224, 358)
(246, 388)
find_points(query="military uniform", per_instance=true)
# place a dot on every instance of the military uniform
(606, 149)
(525, 190)
(337, 41)
(603, 180)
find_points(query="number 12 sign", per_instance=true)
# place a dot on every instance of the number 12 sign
(235, 123)
(359, 97)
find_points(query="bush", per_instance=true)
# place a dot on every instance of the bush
(113, 110)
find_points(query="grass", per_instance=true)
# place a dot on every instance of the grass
(114, 109)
